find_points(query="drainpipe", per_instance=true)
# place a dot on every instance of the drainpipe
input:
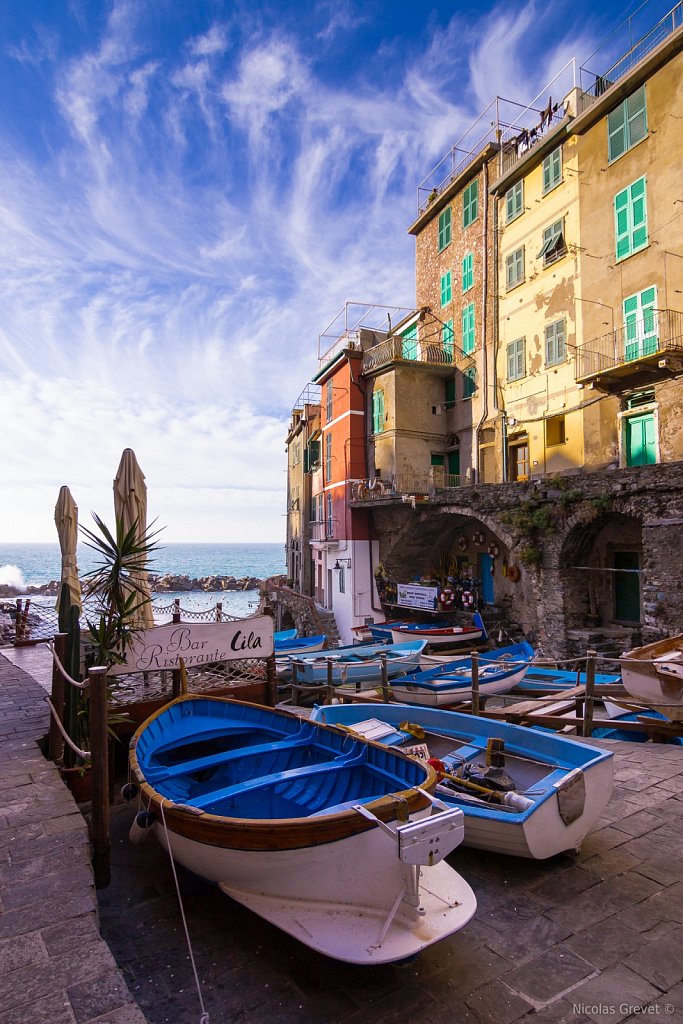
(484, 354)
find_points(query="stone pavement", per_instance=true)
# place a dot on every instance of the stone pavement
(54, 967)
(596, 936)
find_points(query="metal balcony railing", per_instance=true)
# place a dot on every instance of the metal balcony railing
(412, 350)
(594, 85)
(328, 529)
(657, 331)
(406, 485)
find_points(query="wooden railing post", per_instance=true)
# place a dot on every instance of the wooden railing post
(330, 681)
(99, 749)
(475, 682)
(56, 742)
(590, 694)
(385, 677)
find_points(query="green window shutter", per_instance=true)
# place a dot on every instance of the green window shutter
(514, 198)
(444, 228)
(467, 272)
(449, 392)
(446, 288)
(469, 382)
(636, 115)
(622, 224)
(447, 338)
(555, 346)
(552, 169)
(306, 464)
(511, 362)
(616, 132)
(641, 324)
(515, 359)
(437, 460)
(638, 215)
(468, 328)
(314, 453)
(470, 203)
(409, 344)
(377, 412)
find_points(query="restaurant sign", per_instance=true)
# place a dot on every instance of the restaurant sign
(411, 595)
(197, 643)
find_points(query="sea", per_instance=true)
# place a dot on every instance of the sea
(34, 564)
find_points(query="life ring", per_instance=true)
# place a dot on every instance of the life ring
(467, 598)
(447, 598)
(376, 486)
(494, 550)
(462, 543)
(361, 490)
(478, 538)
(514, 574)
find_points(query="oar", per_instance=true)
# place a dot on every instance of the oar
(520, 803)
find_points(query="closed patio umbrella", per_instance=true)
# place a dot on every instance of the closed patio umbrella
(66, 521)
(130, 506)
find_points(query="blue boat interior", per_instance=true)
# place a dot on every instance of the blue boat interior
(537, 762)
(242, 761)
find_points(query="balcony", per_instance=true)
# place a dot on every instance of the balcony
(443, 359)
(644, 351)
(412, 488)
(327, 530)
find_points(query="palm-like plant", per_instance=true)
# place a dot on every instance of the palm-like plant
(115, 584)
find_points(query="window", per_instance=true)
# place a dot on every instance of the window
(342, 579)
(518, 459)
(627, 124)
(313, 454)
(469, 382)
(467, 272)
(554, 246)
(437, 459)
(328, 456)
(320, 509)
(313, 508)
(446, 288)
(630, 219)
(514, 268)
(328, 409)
(555, 347)
(409, 344)
(514, 201)
(329, 525)
(468, 329)
(552, 170)
(447, 339)
(449, 393)
(470, 203)
(377, 412)
(554, 431)
(516, 359)
(444, 228)
(641, 324)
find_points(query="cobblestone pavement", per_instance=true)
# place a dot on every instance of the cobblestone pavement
(596, 936)
(54, 967)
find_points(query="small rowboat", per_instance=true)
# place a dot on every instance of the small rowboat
(561, 786)
(654, 675)
(499, 671)
(540, 680)
(325, 835)
(300, 645)
(360, 662)
(441, 636)
(282, 635)
(382, 630)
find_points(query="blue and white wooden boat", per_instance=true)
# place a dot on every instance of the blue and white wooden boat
(561, 786)
(360, 663)
(282, 635)
(442, 636)
(300, 645)
(612, 730)
(382, 630)
(541, 679)
(305, 825)
(653, 675)
(499, 671)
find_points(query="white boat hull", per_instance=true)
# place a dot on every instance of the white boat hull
(654, 675)
(338, 898)
(435, 697)
(472, 636)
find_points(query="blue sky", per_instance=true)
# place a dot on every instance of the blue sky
(189, 192)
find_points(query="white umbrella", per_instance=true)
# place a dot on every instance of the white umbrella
(66, 521)
(130, 506)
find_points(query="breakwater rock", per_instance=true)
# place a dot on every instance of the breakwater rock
(166, 584)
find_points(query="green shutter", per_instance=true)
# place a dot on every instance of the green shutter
(468, 328)
(377, 412)
(512, 362)
(467, 272)
(447, 338)
(616, 132)
(641, 335)
(437, 460)
(638, 215)
(469, 382)
(636, 113)
(409, 344)
(446, 288)
(306, 464)
(449, 392)
(470, 203)
(444, 228)
(622, 224)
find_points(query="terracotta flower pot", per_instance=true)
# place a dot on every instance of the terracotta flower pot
(79, 781)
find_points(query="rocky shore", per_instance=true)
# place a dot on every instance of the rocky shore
(166, 584)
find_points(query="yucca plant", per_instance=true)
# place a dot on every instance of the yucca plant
(114, 584)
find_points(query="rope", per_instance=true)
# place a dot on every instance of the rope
(79, 686)
(85, 754)
(204, 1017)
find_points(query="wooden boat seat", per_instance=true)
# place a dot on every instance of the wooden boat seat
(290, 774)
(214, 760)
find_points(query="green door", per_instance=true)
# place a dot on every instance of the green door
(641, 449)
(453, 468)
(626, 586)
(640, 324)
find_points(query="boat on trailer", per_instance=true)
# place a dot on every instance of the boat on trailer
(560, 786)
(450, 683)
(326, 835)
(654, 675)
(360, 663)
(441, 636)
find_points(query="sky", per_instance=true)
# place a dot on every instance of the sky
(190, 190)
